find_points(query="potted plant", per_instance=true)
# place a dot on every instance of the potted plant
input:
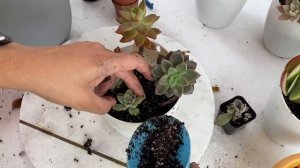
(235, 114)
(292, 161)
(174, 74)
(119, 4)
(161, 142)
(218, 13)
(282, 113)
(282, 28)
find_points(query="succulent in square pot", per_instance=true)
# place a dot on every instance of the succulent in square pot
(120, 4)
(234, 114)
(174, 75)
(282, 28)
(161, 142)
(282, 112)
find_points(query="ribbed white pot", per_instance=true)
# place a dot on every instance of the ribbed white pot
(279, 122)
(127, 128)
(281, 37)
(218, 13)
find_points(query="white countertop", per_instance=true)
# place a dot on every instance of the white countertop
(234, 58)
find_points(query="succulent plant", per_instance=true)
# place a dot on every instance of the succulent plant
(290, 80)
(117, 84)
(234, 112)
(290, 10)
(128, 101)
(135, 25)
(175, 74)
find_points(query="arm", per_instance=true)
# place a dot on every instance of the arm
(69, 74)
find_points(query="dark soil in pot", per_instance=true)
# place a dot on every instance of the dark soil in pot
(160, 148)
(294, 107)
(152, 106)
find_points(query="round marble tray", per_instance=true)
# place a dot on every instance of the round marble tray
(53, 137)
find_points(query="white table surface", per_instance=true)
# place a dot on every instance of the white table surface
(234, 58)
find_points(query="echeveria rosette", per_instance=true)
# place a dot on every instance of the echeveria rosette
(290, 10)
(175, 75)
(128, 101)
(290, 80)
(135, 25)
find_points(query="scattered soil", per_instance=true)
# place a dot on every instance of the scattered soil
(67, 108)
(294, 107)
(215, 88)
(87, 145)
(22, 153)
(17, 103)
(76, 160)
(161, 147)
(150, 107)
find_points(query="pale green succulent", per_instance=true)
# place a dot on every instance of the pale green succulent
(234, 112)
(290, 80)
(175, 75)
(135, 25)
(128, 101)
(290, 10)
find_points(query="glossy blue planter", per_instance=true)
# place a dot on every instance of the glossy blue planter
(138, 139)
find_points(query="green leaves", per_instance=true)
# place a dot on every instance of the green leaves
(224, 119)
(175, 75)
(290, 80)
(136, 26)
(290, 11)
(128, 101)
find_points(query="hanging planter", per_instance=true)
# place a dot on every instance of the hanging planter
(282, 28)
(218, 13)
(282, 113)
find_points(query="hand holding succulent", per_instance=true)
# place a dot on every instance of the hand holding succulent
(135, 25)
(175, 75)
(290, 10)
(128, 101)
(290, 80)
(234, 112)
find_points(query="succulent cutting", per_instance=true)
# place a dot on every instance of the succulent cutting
(175, 74)
(290, 10)
(128, 101)
(135, 25)
(290, 80)
(234, 112)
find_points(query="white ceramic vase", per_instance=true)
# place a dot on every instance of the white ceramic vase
(281, 37)
(279, 122)
(218, 13)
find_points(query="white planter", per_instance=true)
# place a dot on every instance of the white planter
(127, 128)
(279, 122)
(281, 38)
(218, 13)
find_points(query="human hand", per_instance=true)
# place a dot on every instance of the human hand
(69, 74)
(194, 165)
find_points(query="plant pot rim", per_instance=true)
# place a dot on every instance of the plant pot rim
(287, 107)
(116, 3)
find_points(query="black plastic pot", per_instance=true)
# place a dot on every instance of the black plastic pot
(232, 126)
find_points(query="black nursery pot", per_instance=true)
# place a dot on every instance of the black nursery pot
(232, 126)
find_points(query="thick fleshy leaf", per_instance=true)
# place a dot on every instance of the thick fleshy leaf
(181, 68)
(189, 89)
(178, 91)
(161, 89)
(295, 72)
(176, 58)
(142, 6)
(148, 44)
(224, 119)
(129, 36)
(125, 27)
(191, 65)
(191, 75)
(169, 93)
(121, 20)
(120, 98)
(139, 40)
(151, 33)
(119, 107)
(291, 87)
(283, 83)
(138, 101)
(150, 19)
(134, 111)
(172, 71)
(164, 80)
(295, 93)
(182, 82)
(125, 15)
(165, 65)
(157, 31)
(140, 14)
(157, 71)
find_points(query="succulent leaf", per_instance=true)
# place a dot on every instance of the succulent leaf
(164, 80)
(182, 81)
(165, 65)
(133, 111)
(191, 65)
(177, 58)
(161, 89)
(157, 72)
(290, 10)
(295, 92)
(224, 119)
(178, 91)
(191, 75)
(119, 107)
(189, 89)
(181, 68)
(169, 93)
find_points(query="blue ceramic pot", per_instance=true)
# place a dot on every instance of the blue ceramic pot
(139, 138)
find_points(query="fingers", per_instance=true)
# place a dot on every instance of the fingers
(99, 105)
(104, 86)
(127, 61)
(131, 81)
